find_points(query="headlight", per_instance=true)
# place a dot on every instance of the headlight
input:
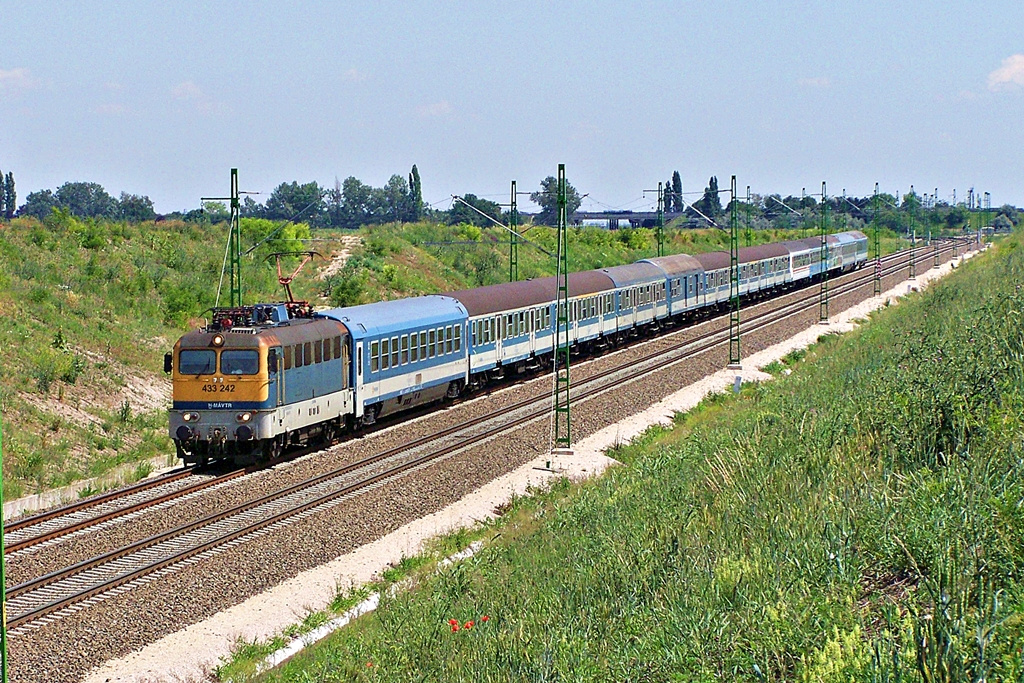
(243, 417)
(190, 417)
(218, 340)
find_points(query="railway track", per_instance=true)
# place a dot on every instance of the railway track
(47, 598)
(117, 506)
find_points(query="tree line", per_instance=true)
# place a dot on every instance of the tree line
(352, 203)
(774, 210)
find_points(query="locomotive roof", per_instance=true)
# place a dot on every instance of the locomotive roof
(291, 332)
(385, 317)
(677, 264)
(512, 295)
(640, 272)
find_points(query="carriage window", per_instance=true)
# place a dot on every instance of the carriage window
(374, 356)
(197, 362)
(236, 362)
(448, 339)
(394, 352)
(405, 349)
(385, 353)
(423, 345)
(433, 345)
(458, 338)
(413, 348)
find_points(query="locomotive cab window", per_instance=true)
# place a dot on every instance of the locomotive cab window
(197, 362)
(239, 362)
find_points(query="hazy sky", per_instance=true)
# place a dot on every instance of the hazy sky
(163, 98)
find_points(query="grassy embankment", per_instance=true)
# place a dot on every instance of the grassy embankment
(860, 519)
(91, 306)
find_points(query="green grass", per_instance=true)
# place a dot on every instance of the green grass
(859, 519)
(89, 308)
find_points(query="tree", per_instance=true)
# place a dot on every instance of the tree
(250, 208)
(1002, 223)
(3, 195)
(957, 217)
(415, 210)
(911, 202)
(334, 204)
(677, 191)
(547, 200)
(39, 204)
(710, 204)
(460, 213)
(10, 196)
(356, 208)
(135, 208)
(291, 201)
(86, 200)
(394, 202)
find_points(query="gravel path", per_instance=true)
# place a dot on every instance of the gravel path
(119, 625)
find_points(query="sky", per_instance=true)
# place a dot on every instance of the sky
(163, 99)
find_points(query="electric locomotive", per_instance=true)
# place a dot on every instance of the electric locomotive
(255, 379)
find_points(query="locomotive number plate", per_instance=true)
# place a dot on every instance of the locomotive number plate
(219, 388)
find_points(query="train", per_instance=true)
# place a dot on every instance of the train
(259, 378)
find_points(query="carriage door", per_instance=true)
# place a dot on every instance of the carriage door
(275, 373)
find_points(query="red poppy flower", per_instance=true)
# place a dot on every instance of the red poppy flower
(453, 622)
(455, 627)
(369, 664)
(484, 618)
(469, 625)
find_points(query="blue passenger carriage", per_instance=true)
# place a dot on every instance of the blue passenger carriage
(851, 248)
(684, 281)
(639, 294)
(407, 352)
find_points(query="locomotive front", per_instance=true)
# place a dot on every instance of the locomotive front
(221, 395)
